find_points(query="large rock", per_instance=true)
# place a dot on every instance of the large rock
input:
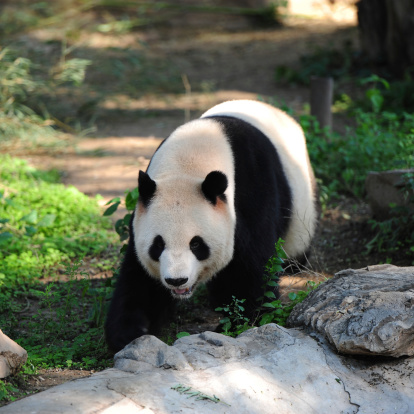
(385, 188)
(265, 370)
(367, 311)
(12, 356)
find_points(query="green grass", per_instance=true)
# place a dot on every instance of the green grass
(44, 223)
(46, 229)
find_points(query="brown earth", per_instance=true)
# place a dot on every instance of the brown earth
(232, 59)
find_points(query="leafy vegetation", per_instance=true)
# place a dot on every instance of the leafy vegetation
(380, 141)
(43, 223)
(20, 121)
(270, 309)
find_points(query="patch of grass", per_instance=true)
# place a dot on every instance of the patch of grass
(59, 324)
(44, 223)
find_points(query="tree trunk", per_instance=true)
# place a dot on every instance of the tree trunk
(387, 32)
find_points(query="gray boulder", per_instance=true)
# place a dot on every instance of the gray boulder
(265, 370)
(367, 311)
(385, 188)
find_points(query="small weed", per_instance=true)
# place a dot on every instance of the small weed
(235, 323)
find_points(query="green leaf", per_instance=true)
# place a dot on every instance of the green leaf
(270, 295)
(10, 202)
(266, 318)
(111, 209)
(292, 295)
(131, 199)
(5, 236)
(182, 334)
(30, 218)
(271, 283)
(30, 230)
(127, 219)
(268, 305)
(114, 200)
(47, 220)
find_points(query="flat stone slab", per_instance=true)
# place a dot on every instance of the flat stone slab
(269, 369)
(363, 312)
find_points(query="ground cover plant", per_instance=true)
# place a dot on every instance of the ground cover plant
(48, 302)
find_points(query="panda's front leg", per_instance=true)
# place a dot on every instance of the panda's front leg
(139, 306)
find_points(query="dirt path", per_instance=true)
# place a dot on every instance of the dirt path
(230, 65)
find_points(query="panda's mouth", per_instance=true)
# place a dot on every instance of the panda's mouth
(183, 293)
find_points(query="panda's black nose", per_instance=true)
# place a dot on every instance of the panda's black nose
(177, 282)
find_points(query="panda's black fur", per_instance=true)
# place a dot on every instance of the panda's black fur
(262, 202)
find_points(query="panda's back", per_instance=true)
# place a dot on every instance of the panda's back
(263, 153)
(288, 139)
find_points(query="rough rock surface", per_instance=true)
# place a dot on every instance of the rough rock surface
(367, 311)
(265, 370)
(384, 188)
(12, 356)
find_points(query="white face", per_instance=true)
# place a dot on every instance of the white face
(181, 238)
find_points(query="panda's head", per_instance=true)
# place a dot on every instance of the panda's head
(183, 229)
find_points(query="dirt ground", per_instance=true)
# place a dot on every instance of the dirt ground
(233, 59)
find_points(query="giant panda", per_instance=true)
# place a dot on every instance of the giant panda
(217, 195)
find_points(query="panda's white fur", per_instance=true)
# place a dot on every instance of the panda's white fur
(288, 138)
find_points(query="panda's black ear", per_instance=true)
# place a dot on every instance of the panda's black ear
(214, 186)
(146, 188)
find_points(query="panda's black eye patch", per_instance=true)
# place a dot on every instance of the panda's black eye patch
(199, 248)
(157, 247)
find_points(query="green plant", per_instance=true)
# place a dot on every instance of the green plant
(380, 141)
(20, 89)
(63, 331)
(270, 309)
(122, 225)
(44, 223)
(182, 334)
(190, 392)
(235, 323)
(6, 391)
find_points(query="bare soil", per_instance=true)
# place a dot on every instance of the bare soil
(231, 59)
